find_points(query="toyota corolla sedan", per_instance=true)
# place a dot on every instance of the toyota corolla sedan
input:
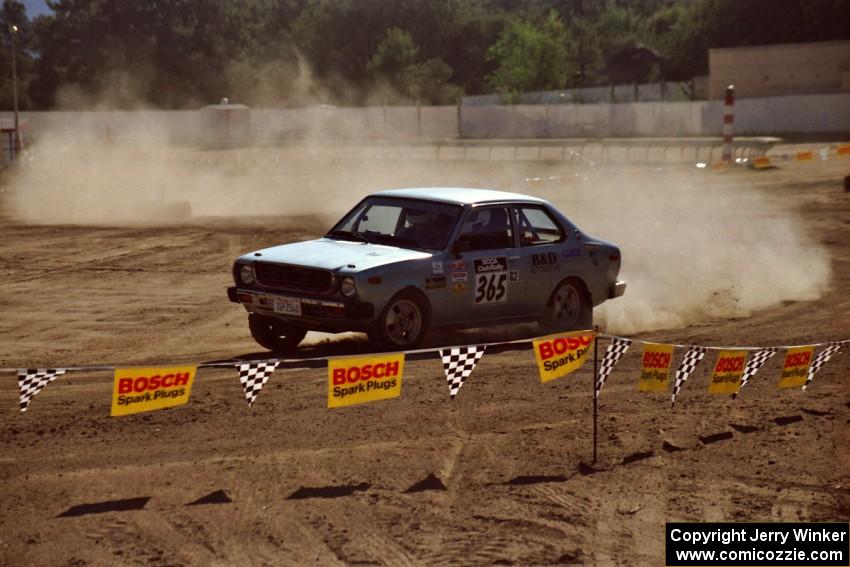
(405, 261)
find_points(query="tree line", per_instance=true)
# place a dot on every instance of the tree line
(187, 53)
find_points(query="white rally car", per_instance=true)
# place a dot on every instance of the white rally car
(409, 260)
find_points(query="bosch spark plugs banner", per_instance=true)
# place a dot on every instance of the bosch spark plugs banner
(357, 380)
(559, 355)
(728, 372)
(796, 367)
(655, 370)
(145, 389)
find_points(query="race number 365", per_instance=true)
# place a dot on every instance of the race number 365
(491, 288)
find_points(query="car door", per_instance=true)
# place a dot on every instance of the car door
(543, 262)
(481, 266)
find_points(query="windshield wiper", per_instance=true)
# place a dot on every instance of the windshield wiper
(347, 235)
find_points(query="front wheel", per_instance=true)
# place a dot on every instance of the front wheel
(274, 334)
(569, 308)
(404, 322)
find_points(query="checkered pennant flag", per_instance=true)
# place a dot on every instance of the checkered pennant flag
(754, 365)
(253, 376)
(686, 368)
(615, 352)
(33, 380)
(821, 359)
(458, 362)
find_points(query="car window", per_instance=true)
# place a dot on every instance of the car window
(380, 218)
(536, 226)
(400, 222)
(487, 229)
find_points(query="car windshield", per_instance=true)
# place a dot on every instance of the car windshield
(406, 223)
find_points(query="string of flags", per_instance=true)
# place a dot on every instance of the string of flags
(458, 363)
(802, 156)
(360, 379)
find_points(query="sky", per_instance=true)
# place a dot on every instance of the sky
(36, 7)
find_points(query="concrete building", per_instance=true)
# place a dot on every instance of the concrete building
(772, 70)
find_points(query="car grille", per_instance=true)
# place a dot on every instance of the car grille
(297, 278)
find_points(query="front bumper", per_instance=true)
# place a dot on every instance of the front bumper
(316, 314)
(618, 288)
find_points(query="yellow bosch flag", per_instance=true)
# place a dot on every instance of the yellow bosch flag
(356, 380)
(559, 355)
(145, 389)
(796, 367)
(655, 373)
(727, 372)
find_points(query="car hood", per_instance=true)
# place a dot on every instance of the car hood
(335, 255)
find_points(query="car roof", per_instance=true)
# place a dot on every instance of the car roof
(459, 195)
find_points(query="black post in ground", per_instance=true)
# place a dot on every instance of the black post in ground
(595, 379)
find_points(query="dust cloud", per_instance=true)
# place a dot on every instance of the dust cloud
(695, 245)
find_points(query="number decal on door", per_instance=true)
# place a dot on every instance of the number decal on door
(491, 288)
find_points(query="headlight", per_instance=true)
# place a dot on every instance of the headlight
(348, 287)
(246, 274)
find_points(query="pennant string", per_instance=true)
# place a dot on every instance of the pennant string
(694, 355)
(753, 366)
(458, 364)
(820, 360)
(613, 354)
(253, 376)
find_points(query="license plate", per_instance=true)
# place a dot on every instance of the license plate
(287, 305)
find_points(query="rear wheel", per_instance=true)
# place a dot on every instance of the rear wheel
(569, 308)
(274, 334)
(404, 321)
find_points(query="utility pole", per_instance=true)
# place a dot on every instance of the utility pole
(13, 32)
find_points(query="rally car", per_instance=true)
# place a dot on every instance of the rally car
(405, 261)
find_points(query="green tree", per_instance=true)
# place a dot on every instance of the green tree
(530, 57)
(396, 63)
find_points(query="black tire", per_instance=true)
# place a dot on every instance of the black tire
(569, 308)
(274, 334)
(403, 323)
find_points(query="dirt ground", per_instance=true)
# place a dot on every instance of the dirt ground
(506, 465)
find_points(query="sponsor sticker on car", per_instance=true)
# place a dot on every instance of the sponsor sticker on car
(545, 262)
(435, 282)
(491, 278)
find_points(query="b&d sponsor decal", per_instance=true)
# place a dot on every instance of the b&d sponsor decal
(559, 355)
(655, 373)
(357, 380)
(435, 282)
(545, 262)
(491, 278)
(728, 372)
(795, 370)
(144, 389)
